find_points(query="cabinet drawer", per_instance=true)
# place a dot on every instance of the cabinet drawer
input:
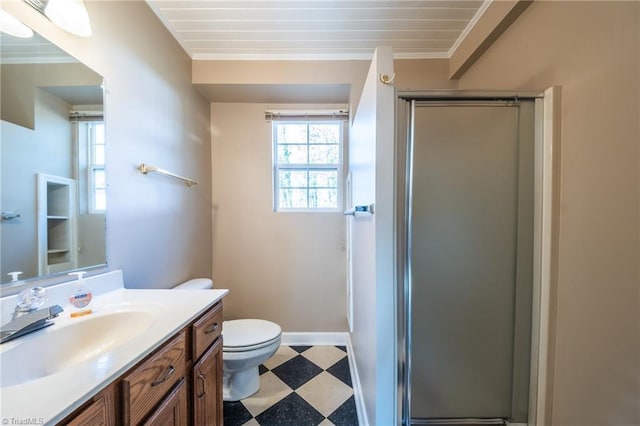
(206, 330)
(148, 383)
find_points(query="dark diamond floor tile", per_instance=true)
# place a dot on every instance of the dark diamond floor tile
(345, 415)
(342, 348)
(235, 414)
(290, 411)
(297, 371)
(262, 369)
(300, 349)
(341, 370)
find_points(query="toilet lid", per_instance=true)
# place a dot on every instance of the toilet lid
(248, 332)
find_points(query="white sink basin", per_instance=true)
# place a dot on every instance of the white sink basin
(53, 349)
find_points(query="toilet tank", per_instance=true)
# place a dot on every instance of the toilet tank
(195, 284)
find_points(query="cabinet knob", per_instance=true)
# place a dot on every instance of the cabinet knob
(213, 327)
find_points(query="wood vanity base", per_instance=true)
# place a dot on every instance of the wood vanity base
(179, 384)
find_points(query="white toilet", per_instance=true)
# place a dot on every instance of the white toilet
(246, 343)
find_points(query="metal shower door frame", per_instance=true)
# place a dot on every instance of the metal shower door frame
(545, 169)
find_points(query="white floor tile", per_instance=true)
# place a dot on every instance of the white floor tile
(272, 390)
(282, 355)
(325, 393)
(324, 356)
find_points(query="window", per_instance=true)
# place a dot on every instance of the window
(97, 178)
(307, 165)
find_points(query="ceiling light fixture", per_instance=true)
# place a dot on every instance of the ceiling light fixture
(70, 15)
(11, 26)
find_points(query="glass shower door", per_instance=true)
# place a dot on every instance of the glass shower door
(471, 191)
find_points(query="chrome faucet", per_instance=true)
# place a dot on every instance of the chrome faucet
(27, 317)
(29, 300)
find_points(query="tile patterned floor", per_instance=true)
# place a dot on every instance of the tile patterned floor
(299, 386)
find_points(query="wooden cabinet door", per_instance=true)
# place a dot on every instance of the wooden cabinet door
(173, 410)
(207, 387)
(99, 413)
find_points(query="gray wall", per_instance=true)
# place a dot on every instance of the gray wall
(158, 229)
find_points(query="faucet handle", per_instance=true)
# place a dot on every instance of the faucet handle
(32, 298)
(14, 276)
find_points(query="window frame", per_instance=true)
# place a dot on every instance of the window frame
(338, 168)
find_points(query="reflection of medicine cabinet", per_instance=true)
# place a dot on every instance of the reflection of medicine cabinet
(57, 206)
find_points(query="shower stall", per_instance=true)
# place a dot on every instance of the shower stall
(465, 217)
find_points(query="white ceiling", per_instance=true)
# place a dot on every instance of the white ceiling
(317, 29)
(38, 50)
(33, 50)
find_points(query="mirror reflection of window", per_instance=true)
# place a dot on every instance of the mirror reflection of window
(90, 172)
(90, 143)
(97, 180)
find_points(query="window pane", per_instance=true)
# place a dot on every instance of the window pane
(324, 154)
(292, 154)
(307, 156)
(323, 198)
(292, 198)
(291, 133)
(99, 178)
(292, 178)
(99, 133)
(98, 153)
(324, 133)
(323, 178)
(100, 198)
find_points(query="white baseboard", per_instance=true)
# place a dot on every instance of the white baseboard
(314, 339)
(363, 420)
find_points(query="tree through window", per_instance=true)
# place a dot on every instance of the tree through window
(307, 165)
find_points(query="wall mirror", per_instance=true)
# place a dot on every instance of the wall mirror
(52, 162)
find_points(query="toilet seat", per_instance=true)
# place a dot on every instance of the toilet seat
(248, 334)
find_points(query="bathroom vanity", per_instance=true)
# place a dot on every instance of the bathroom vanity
(141, 357)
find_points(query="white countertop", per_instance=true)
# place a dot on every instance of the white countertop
(49, 399)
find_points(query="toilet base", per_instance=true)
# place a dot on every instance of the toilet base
(240, 384)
